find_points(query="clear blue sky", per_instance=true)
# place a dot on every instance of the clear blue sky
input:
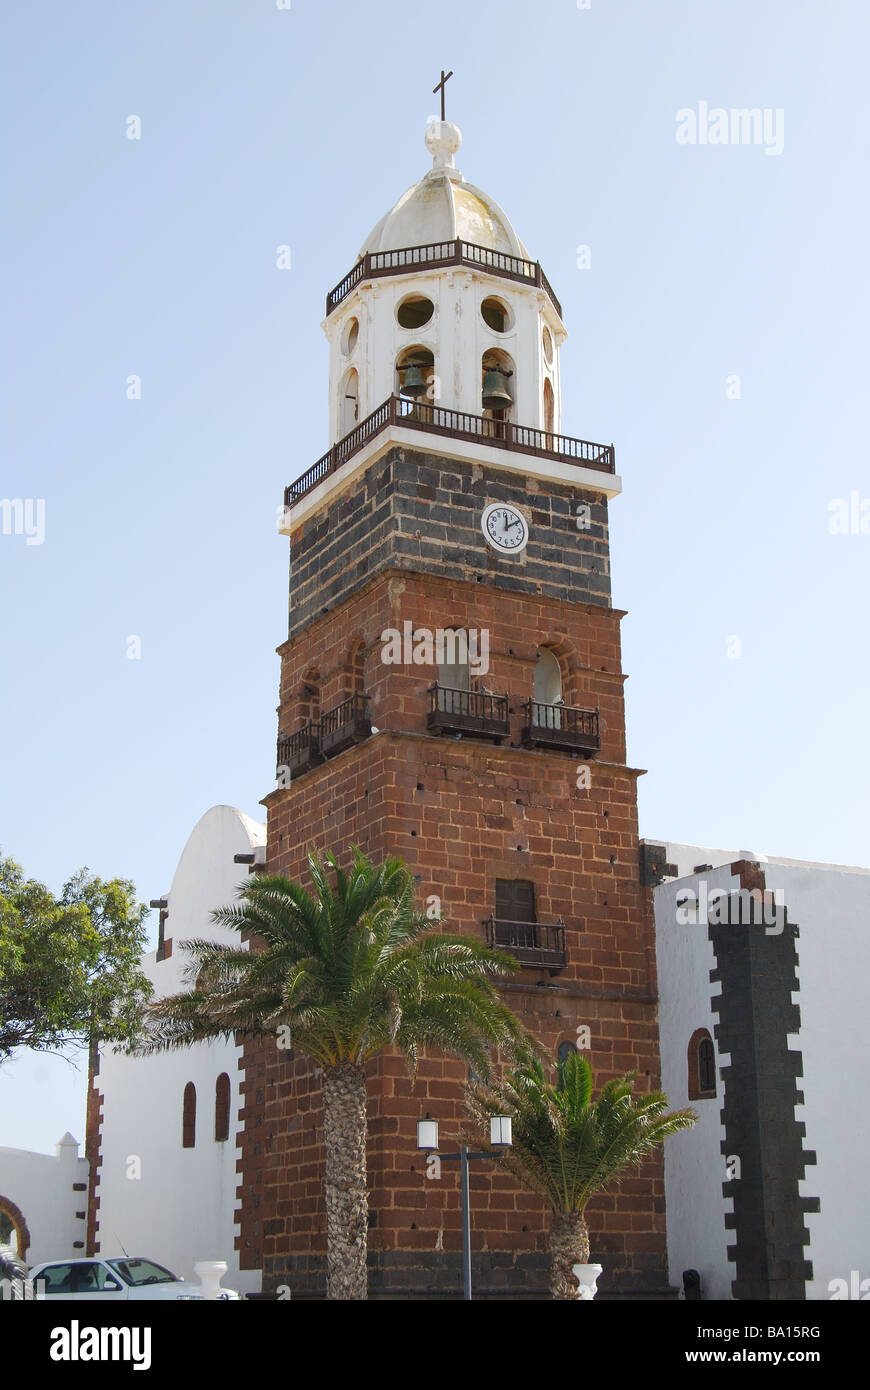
(263, 127)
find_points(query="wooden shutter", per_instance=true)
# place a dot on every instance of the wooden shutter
(515, 900)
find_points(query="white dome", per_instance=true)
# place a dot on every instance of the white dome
(444, 207)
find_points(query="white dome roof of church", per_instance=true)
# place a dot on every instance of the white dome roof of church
(444, 207)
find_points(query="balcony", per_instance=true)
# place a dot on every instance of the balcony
(565, 727)
(300, 752)
(408, 260)
(339, 729)
(456, 424)
(345, 725)
(468, 712)
(536, 945)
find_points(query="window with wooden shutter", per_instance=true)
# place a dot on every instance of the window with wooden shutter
(222, 1108)
(188, 1120)
(515, 900)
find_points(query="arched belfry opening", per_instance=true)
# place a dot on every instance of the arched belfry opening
(497, 388)
(415, 374)
(547, 708)
(348, 405)
(549, 406)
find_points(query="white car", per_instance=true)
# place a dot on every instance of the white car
(118, 1280)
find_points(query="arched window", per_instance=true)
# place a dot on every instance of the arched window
(308, 708)
(348, 405)
(188, 1117)
(566, 1050)
(222, 1108)
(454, 671)
(497, 375)
(415, 375)
(549, 406)
(357, 667)
(548, 690)
(702, 1066)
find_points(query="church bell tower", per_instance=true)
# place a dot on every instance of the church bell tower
(451, 691)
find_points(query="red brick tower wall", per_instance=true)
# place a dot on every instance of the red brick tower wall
(461, 813)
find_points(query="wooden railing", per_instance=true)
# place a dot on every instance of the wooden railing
(457, 424)
(338, 729)
(433, 256)
(347, 724)
(297, 752)
(538, 944)
(468, 711)
(561, 726)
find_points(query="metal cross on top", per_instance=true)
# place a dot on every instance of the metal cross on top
(445, 78)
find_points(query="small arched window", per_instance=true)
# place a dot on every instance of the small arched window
(702, 1066)
(308, 706)
(416, 378)
(188, 1117)
(548, 690)
(549, 407)
(357, 667)
(454, 671)
(348, 405)
(222, 1108)
(566, 1050)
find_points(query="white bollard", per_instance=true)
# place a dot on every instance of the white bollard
(210, 1273)
(587, 1277)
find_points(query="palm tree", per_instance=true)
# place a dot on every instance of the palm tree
(567, 1147)
(349, 970)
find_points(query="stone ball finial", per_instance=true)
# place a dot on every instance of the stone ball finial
(443, 139)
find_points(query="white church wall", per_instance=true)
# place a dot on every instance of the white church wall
(157, 1199)
(831, 907)
(830, 904)
(42, 1187)
(694, 1162)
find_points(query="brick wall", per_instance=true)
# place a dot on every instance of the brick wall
(93, 1142)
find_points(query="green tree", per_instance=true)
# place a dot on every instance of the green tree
(567, 1147)
(69, 966)
(351, 969)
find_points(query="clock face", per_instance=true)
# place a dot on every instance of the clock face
(506, 529)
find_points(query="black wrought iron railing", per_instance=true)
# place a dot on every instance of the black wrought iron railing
(407, 259)
(533, 943)
(457, 424)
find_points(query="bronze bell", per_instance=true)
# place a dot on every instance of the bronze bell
(414, 385)
(496, 395)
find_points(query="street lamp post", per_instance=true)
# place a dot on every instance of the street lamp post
(500, 1138)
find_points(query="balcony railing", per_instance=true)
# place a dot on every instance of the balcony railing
(300, 752)
(561, 726)
(408, 259)
(345, 725)
(468, 712)
(456, 424)
(337, 730)
(536, 945)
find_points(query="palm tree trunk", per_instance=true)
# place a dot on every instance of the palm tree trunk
(569, 1246)
(344, 1122)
